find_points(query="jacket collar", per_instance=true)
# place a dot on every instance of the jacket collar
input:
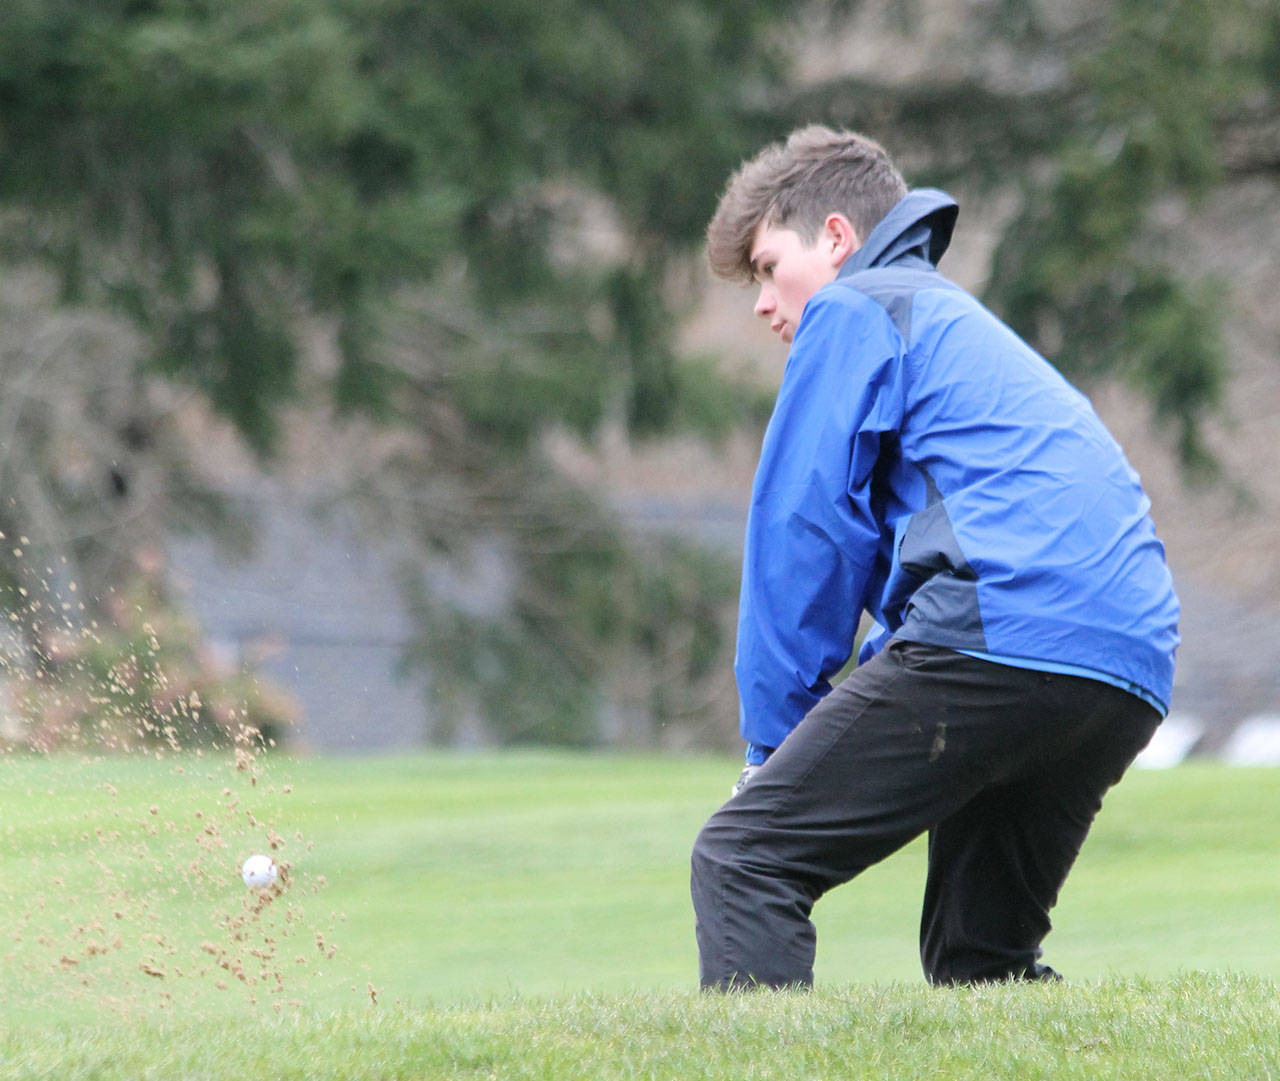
(918, 227)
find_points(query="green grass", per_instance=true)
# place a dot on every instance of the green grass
(1186, 1028)
(527, 915)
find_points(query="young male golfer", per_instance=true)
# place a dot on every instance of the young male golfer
(926, 466)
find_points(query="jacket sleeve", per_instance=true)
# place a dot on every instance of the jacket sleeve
(812, 532)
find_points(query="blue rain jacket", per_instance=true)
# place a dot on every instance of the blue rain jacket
(925, 465)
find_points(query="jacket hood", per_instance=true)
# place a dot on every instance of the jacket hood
(919, 225)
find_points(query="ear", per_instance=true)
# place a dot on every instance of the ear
(839, 238)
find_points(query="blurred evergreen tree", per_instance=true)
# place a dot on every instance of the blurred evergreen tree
(214, 168)
(478, 200)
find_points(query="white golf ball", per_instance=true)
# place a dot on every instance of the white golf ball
(259, 872)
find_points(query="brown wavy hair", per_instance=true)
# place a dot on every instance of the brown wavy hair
(796, 183)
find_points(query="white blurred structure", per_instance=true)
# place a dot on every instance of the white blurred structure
(1256, 742)
(1174, 739)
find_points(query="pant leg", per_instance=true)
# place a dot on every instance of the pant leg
(767, 855)
(996, 866)
(897, 748)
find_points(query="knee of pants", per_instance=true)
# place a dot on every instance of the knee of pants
(718, 853)
(715, 851)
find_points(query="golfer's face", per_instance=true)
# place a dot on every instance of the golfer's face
(789, 273)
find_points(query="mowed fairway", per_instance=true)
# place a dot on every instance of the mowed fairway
(497, 893)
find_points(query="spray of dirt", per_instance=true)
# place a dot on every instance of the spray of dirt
(127, 814)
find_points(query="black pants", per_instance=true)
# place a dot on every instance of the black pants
(1005, 768)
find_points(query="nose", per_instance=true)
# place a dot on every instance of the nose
(764, 303)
